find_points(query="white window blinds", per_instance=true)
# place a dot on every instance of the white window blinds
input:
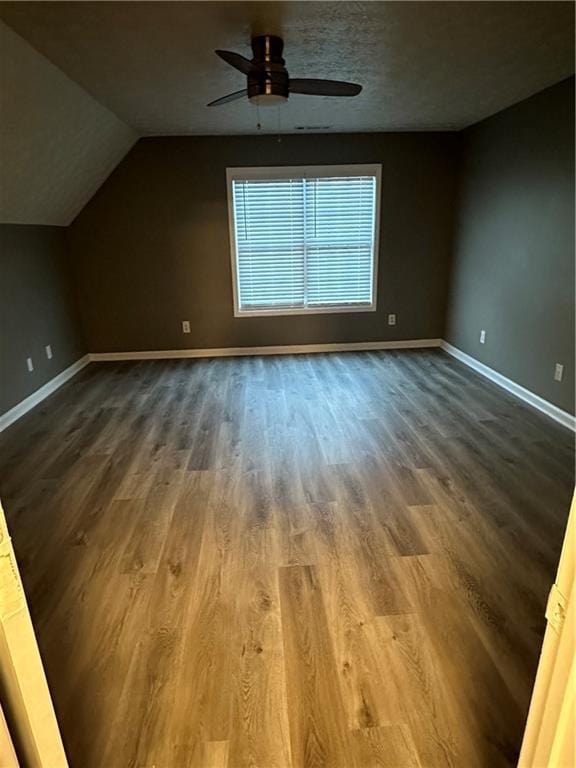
(270, 250)
(304, 242)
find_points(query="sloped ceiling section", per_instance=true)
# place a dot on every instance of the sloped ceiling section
(57, 143)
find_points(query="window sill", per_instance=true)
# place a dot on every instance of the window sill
(286, 311)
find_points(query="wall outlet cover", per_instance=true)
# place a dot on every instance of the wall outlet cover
(482, 337)
(29, 364)
(391, 319)
(48, 351)
(558, 372)
(185, 326)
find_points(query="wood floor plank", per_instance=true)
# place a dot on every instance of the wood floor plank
(348, 609)
(260, 734)
(216, 754)
(318, 724)
(335, 560)
(386, 747)
(474, 690)
(507, 623)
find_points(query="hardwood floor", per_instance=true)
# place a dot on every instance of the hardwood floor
(328, 560)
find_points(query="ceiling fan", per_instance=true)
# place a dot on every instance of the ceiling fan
(268, 81)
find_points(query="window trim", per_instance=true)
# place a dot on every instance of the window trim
(303, 171)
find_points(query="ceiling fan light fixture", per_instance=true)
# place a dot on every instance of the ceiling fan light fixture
(268, 99)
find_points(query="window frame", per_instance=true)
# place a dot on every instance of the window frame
(303, 171)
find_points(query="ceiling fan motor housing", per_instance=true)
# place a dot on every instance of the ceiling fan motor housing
(268, 81)
(267, 78)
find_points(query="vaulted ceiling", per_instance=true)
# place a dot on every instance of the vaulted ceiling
(424, 65)
(80, 81)
(57, 143)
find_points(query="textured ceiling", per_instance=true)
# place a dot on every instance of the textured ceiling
(424, 65)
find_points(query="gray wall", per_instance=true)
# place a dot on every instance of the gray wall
(151, 248)
(37, 307)
(513, 271)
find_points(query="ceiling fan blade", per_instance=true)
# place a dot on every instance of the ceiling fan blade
(230, 97)
(312, 87)
(237, 61)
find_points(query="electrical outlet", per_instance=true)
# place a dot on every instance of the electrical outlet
(482, 337)
(391, 319)
(558, 372)
(29, 364)
(48, 349)
(185, 326)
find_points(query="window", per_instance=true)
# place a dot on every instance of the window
(304, 239)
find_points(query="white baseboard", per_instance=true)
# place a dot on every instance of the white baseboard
(297, 349)
(8, 418)
(562, 417)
